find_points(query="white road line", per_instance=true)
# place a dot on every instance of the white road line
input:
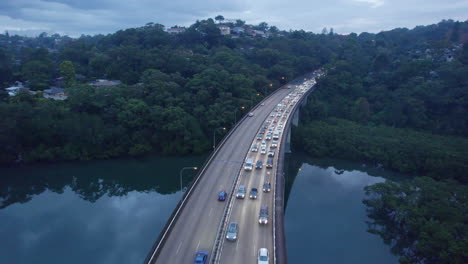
(211, 211)
(237, 245)
(198, 245)
(178, 248)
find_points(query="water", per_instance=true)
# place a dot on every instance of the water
(88, 212)
(325, 220)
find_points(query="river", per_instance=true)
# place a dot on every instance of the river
(325, 219)
(103, 212)
(112, 211)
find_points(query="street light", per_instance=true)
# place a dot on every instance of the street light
(214, 136)
(180, 174)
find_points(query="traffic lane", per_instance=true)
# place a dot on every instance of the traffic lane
(258, 236)
(251, 233)
(185, 245)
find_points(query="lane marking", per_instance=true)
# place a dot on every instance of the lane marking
(198, 245)
(211, 210)
(178, 248)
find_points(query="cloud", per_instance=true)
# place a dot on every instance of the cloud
(106, 16)
(373, 3)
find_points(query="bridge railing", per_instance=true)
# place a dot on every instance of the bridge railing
(159, 243)
(279, 237)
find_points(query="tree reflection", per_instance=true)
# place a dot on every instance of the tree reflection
(94, 179)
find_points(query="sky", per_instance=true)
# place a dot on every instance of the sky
(89, 17)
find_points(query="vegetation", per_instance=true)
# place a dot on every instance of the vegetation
(176, 89)
(424, 221)
(400, 149)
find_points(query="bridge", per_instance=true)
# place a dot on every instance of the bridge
(199, 222)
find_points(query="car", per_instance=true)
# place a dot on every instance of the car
(259, 164)
(262, 131)
(274, 144)
(222, 196)
(269, 163)
(255, 148)
(272, 115)
(278, 114)
(270, 130)
(263, 256)
(248, 164)
(251, 114)
(241, 192)
(263, 215)
(201, 257)
(253, 193)
(268, 121)
(264, 143)
(268, 136)
(232, 231)
(276, 135)
(263, 151)
(259, 137)
(271, 153)
(266, 187)
(275, 121)
(263, 104)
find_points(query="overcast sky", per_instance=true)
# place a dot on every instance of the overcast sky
(76, 17)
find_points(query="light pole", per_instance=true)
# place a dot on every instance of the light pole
(180, 174)
(214, 136)
(251, 99)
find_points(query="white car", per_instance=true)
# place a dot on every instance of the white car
(255, 148)
(251, 114)
(263, 256)
(263, 150)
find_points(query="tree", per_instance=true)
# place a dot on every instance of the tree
(240, 23)
(424, 221)
(219, 18)
(68, 72)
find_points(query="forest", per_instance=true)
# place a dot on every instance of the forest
(176, 89)
(399, 100)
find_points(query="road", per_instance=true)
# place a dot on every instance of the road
(197, 226)
(252, 236)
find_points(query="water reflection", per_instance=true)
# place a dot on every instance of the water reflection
(325, 219)
(101, 212)
(93, 179)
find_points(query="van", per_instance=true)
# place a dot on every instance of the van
(248, 164)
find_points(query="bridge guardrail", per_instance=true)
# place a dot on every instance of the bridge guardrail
(156, 248)
(278, 204)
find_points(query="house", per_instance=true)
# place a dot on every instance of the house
(18, 87)
(104, 83)
(237, 30)
(55, 93)
(225, 30)
(175, 30)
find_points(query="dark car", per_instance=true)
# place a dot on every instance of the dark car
(201, 257)
(259, 137)
(222, 196)
(269, 163)
(267, 187)
(259, 164)
(253, 193)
